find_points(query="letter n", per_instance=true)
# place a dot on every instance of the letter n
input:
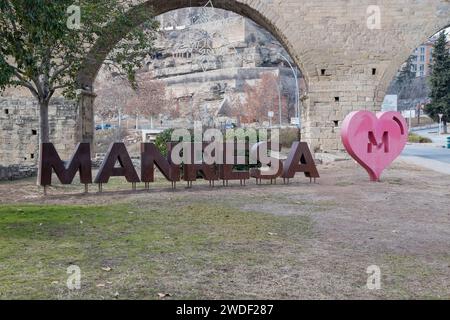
(117, 153)
(150, 156)
(300, 160)
(50, 160)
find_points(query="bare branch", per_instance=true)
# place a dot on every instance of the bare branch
(25, 83)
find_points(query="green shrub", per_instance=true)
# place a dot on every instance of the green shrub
(162, 139)
(415, 138)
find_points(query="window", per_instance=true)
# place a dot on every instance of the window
(422, 50)
(6, 111)
(374, 71)
(323, 72)
(422, 58)
(34, 132)
(336, 99)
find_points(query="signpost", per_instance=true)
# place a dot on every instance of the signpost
(440, 122)
(390, 103)
(295, 121)
(420, 108)
(270, 114)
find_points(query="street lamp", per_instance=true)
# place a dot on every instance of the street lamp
(297, 93)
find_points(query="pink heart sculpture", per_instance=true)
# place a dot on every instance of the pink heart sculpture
(374, 141)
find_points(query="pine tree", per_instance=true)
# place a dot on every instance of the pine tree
(440, 82)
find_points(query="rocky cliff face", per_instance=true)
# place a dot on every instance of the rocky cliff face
(204, 55)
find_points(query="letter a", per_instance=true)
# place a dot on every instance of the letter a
(300, 160)
(117, 152)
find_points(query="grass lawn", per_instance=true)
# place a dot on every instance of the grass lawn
(147, 247)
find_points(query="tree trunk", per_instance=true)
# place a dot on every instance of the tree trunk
(44, 134)
(151, 122)
(445, 127)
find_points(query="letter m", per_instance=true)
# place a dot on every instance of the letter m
(50, 160)
(373, 143)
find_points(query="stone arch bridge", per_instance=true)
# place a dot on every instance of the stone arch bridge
(348, 50)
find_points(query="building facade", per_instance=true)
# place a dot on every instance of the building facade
(423, 58)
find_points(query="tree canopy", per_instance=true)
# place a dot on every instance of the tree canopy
(43, 50)
(440, 81)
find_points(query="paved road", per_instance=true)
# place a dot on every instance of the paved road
(427, 152)
(431, 155)
(431, 133)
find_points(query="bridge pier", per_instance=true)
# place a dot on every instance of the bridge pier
(330, 99)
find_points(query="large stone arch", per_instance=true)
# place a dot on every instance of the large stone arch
(256, 10)
(347, 64)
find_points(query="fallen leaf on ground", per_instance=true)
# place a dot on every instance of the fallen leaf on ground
(164, 295)
(107, 269)
(273, 234)
(100, 285)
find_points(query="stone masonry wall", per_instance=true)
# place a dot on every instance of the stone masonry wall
(16, 172)
(19, 130)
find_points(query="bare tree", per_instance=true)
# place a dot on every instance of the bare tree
(262, 98)
(112, 98)
(173, 106)
(148, 100)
